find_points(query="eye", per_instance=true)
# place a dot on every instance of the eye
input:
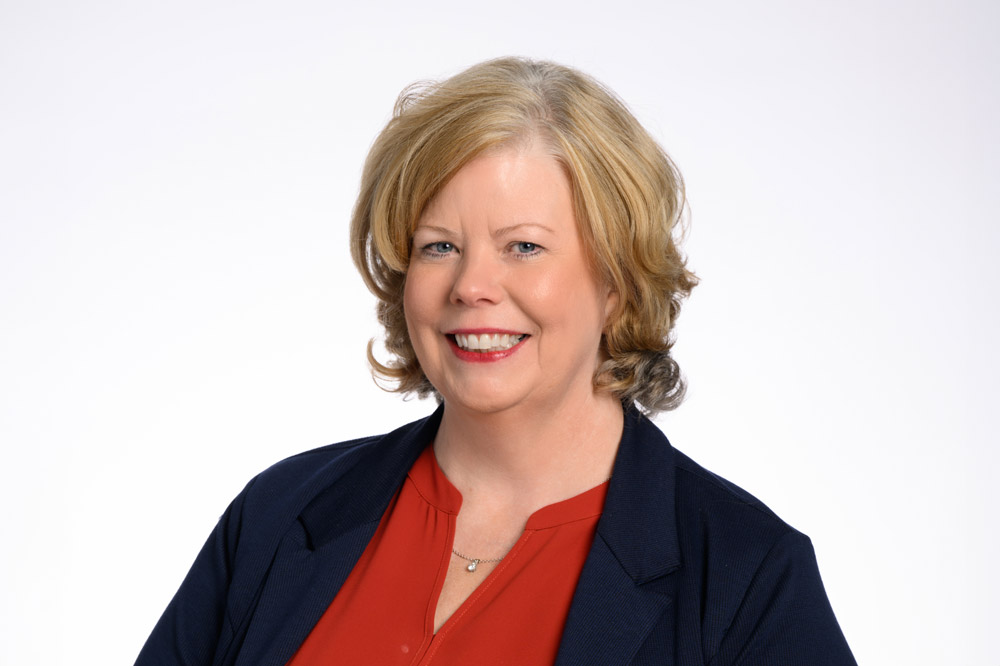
(437, 248)
(525, 248)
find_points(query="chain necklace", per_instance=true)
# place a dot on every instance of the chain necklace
(474, 561)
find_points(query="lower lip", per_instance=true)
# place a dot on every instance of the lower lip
(483, 357)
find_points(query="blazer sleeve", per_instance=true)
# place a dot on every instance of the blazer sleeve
(785, 618)
(196, 623)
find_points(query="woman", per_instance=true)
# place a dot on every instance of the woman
(516, 224)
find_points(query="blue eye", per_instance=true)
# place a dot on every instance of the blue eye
(439, 247)
(525, 247)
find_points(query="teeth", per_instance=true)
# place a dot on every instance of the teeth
(487, 342)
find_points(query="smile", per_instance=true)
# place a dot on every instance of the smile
(487, 342)
(485, 347)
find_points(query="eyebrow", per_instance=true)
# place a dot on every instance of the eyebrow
(503, 231)
(506, 231)
(431, 227)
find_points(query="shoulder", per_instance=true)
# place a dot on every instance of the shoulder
(683, 496)
(284, 490)
(287, 506)
(298, 477)
(723, 530)
(320, 464)
(706, 500)
(748, 576)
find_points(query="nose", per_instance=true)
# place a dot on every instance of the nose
(477, 280)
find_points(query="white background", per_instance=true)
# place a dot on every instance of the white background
(178, 309)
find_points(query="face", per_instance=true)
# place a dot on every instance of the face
(501, 305)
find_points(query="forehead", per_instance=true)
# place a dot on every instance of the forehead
(515, 184)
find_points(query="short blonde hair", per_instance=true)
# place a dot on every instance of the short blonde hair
(628, 199)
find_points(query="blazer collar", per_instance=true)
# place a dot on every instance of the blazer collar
(624, 589)
(637, 524)
(370, 478)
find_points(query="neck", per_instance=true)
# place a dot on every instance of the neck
(530, 457)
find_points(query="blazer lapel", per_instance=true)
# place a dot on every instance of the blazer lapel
(299, 587)
(319, 551)
(625, 586)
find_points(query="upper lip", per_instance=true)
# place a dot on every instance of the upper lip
(480, 331)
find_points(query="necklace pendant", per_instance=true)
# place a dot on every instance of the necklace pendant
(472, 566)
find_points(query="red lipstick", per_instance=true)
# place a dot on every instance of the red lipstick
(479, 356)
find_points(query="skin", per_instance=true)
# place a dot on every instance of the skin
(499, 249)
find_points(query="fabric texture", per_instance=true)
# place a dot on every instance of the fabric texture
(685, 568)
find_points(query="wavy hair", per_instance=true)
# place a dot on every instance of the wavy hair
(628, 198)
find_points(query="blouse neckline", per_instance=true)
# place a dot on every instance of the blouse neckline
(437, 490)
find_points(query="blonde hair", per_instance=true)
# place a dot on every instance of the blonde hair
(628, 200)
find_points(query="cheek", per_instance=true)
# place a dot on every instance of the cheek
(572, 299)
(411, 308)
(419, 304)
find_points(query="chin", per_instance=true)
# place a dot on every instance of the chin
(481, 406)
(482, 401)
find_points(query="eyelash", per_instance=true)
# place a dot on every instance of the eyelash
(434, 249)
(429, 251)
(535, 249)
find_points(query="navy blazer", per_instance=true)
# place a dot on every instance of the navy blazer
(685, 568)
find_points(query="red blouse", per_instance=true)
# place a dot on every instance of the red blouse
(384, 613)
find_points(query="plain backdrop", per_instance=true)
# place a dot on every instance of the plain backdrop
(178, 309)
